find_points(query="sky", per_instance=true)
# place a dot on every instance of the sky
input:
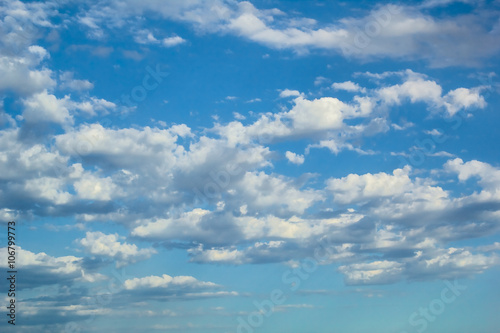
(225, 166)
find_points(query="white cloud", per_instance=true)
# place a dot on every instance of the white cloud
(173, 41)
(186, 226)
(166, 281)
(348, 86)
(328, 117)
(45, 107)
(394, 31)
(43, 269)
(463, 98)
(260, 191)
(124, 147)
(100, 244)
(48, 188)
(354, 188)
(319, 114)
(337, 146)
(489, 176)
(290, 93)
(68, 82)
(417, 88)
(376, 272)
(19, 74)
(145, 36)
(90, 187)
(433, 132)
(238, 116)
(294, 158)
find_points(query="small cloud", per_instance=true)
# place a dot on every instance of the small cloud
(320, 80)
(254, 100)
(68, 82)
(434, 132)
(231, 98)
(348, 86)
(134, 55)
(145, 37)
(173, 41)
(239, 116)
(290, 93)
(294, 158)
(402, 126)
(442, 154)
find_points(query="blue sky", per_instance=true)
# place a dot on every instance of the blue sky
(269, 166)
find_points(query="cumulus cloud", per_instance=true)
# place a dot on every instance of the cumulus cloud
(376, 272)
(348, 86)
(328, 120)
(45, 107)
(290, 93)
(417, 88)
(42, 269)
(166, 287)
(394, 31)
(354, 188)
(173, 41)
(108, 246)
(294, 158)
(166, 281)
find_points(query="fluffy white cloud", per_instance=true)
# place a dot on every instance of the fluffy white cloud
(260, 191)
(100, 244)
(489, 177)
(44, 107)
(47, 108)
(307, 118)
(395, 31)
(19, 74)
(166, 287)
(48, 188)
(21, 60)
(463, 98)
(43, 269)
(329, 117)
(123, 147)
(376, 272)
(355, 188)
(433, 263)
(320, 114)
(348, 86)
(145, 36)
(166, 281)
(451, 262)
(418, 89)
(187, 226)
(90, 187)
(294, 158)
(173, 41)
(290, 93)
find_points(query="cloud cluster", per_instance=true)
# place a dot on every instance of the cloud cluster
(394, 31)
(108, 246)
(218, 192)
